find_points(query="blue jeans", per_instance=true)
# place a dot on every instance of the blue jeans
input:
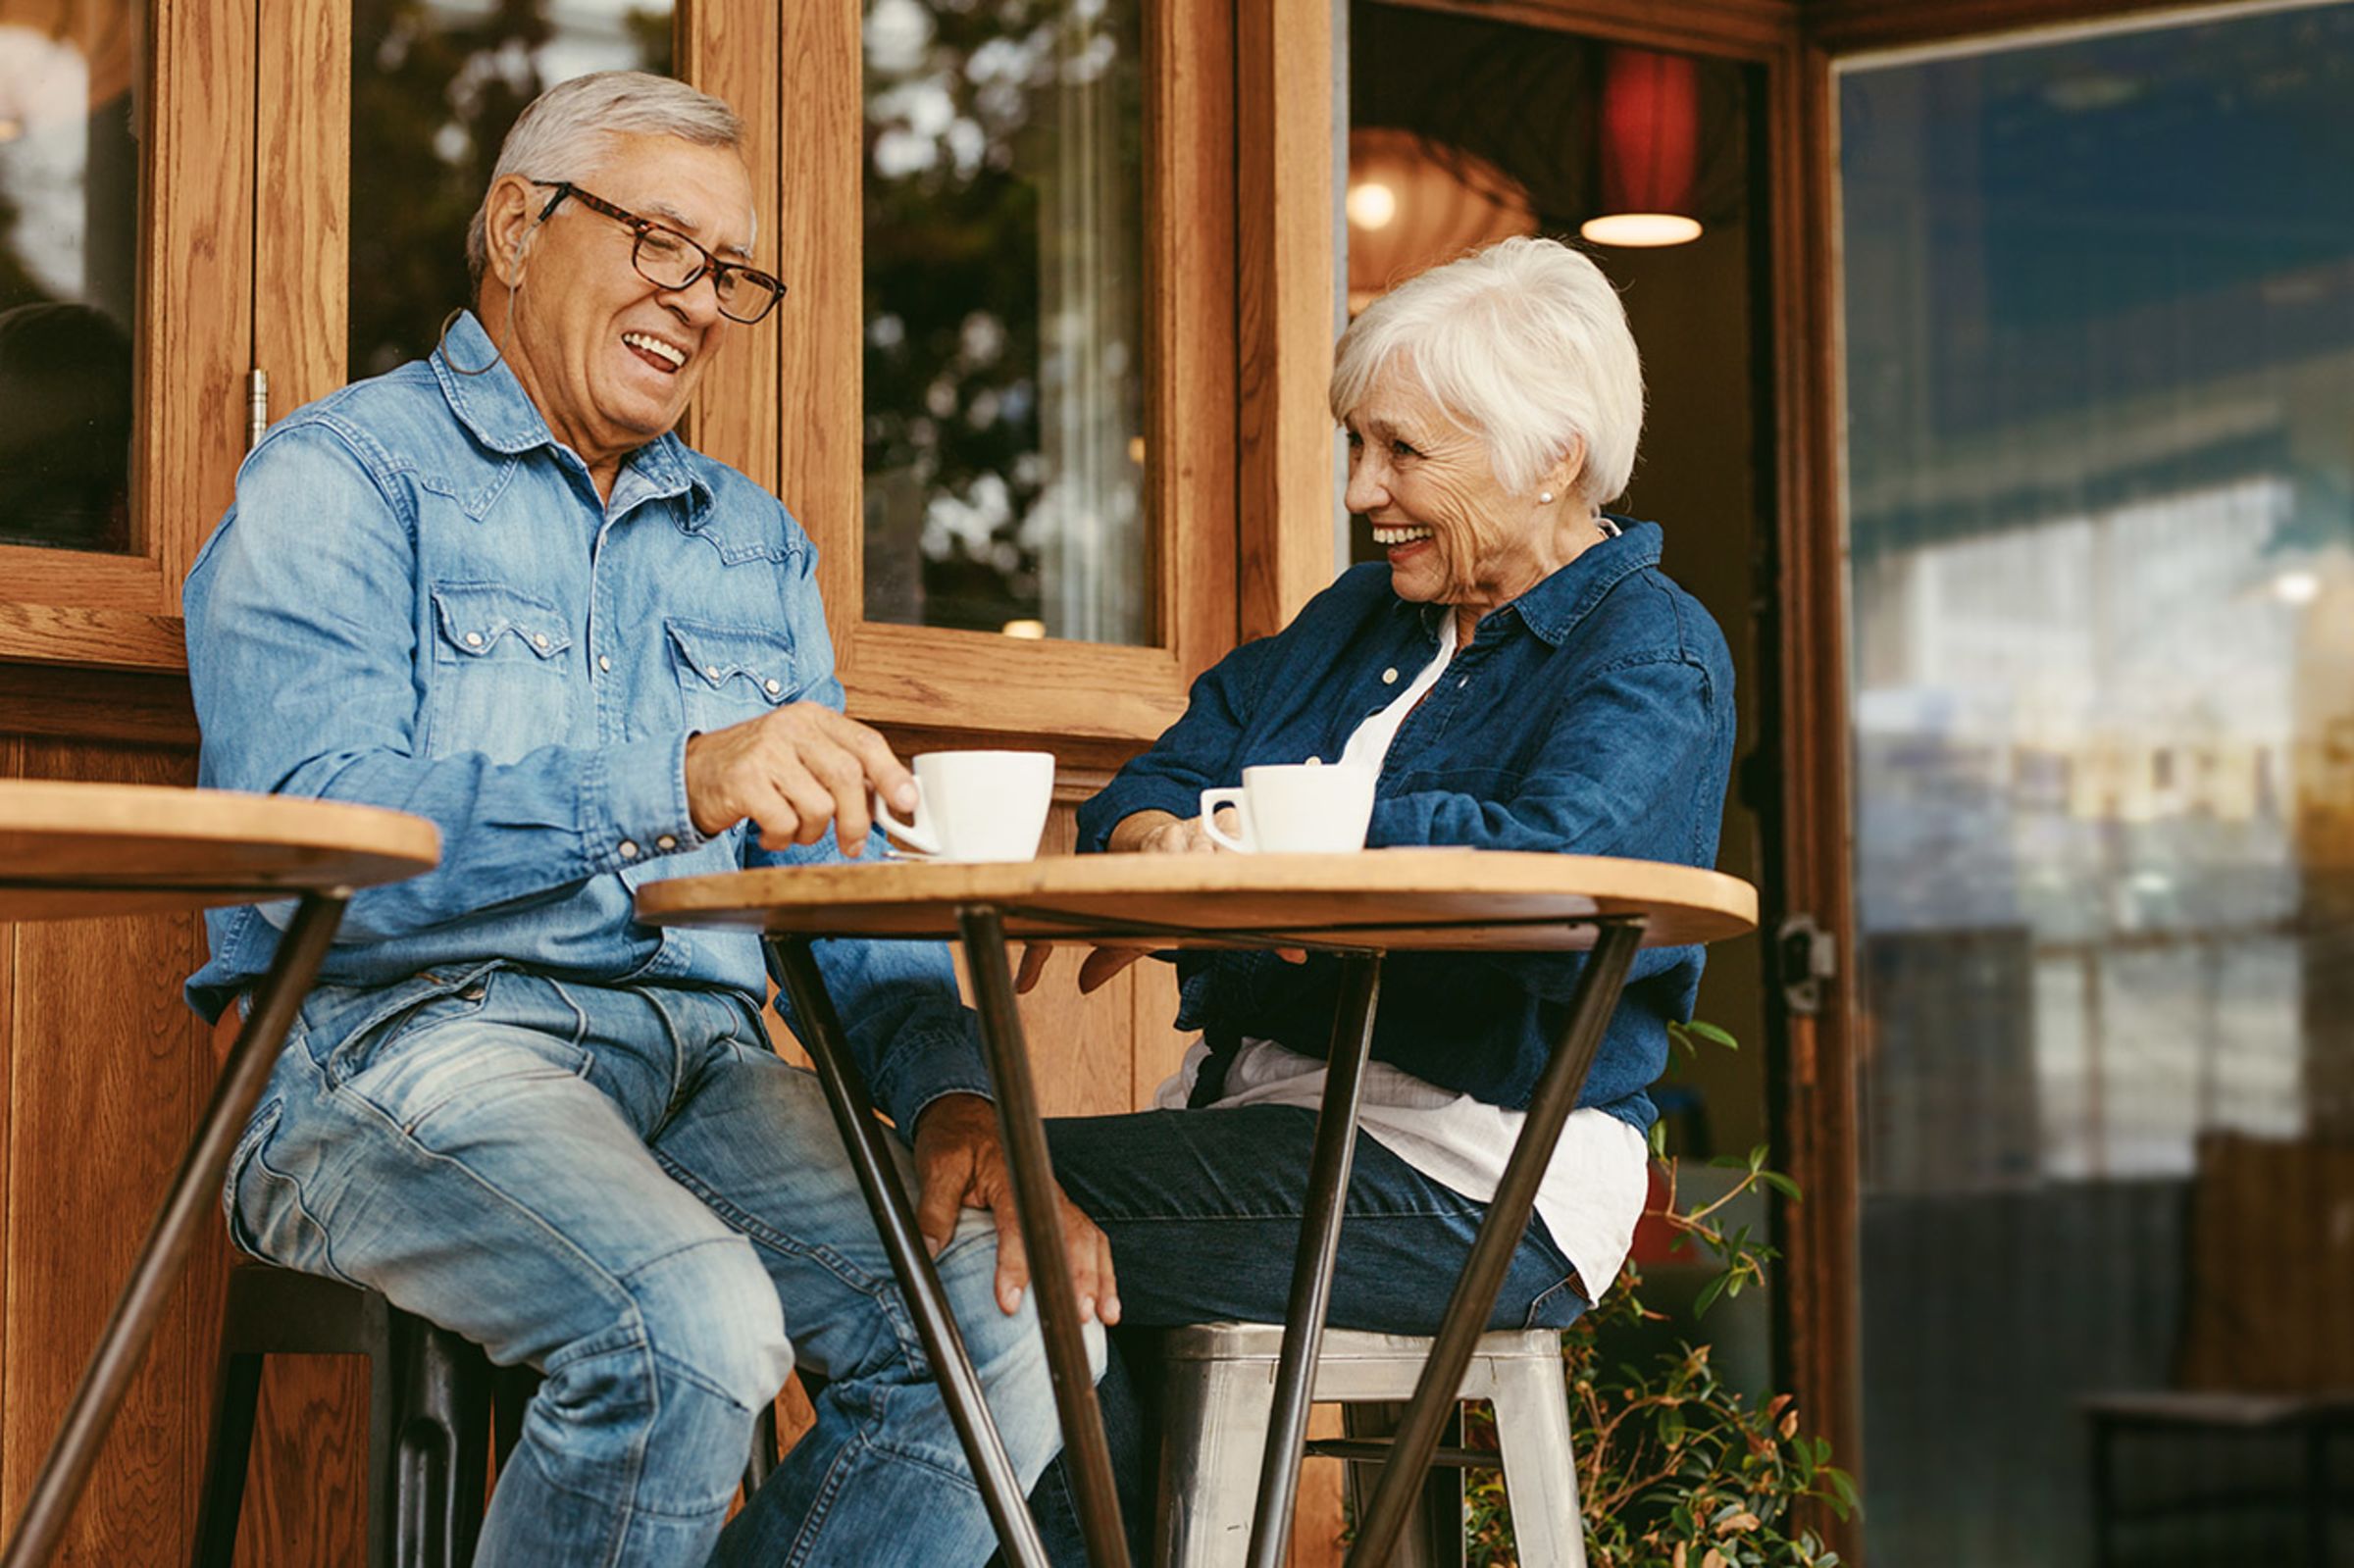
(628, 1189)
(1203, 1208)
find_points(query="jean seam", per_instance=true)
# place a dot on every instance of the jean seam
(813, 1523)
(760, 1233)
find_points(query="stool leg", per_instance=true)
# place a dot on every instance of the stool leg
(1216, 1416)
(1540, 1472)
(762, 1461)
(1433, 1536)
(445, 1449)
(226, 1460)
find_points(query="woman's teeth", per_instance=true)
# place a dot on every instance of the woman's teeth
(656, 347)
(1397, 534)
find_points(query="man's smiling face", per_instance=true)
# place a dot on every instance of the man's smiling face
(610, 358)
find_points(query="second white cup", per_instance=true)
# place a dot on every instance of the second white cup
(1294, 808)
(976, 805)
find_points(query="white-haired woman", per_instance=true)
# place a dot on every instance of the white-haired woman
(1523, 677)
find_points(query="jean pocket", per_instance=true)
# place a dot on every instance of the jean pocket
(401, 1009)
(267, 1218)
(1556, 1306)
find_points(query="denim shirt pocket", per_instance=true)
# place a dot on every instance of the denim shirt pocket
(499, 682)
(727, 674)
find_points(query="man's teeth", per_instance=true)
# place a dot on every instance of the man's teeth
(1397, 534)
(655, 346)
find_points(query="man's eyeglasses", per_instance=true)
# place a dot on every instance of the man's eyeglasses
(668, 259)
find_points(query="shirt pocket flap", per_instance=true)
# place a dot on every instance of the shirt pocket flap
(746, 661)
(477, 618)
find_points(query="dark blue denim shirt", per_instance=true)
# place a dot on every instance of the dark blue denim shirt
(1592, 716)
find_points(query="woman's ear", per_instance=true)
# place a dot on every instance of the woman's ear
(1562, 478)
(509, 222)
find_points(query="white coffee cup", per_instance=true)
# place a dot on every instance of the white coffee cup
(976, 805)
(1295, 808)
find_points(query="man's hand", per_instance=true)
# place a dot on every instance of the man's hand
(961, 1164)
(791, 771)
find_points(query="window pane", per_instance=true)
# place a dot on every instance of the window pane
(68, 224)
(436, 85)
(2100, 338)
(1004, 325)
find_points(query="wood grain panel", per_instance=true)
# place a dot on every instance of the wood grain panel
(819, 377)
(728, 49)
(151, 708)
(306, 1485)
(196, 271)
(303, 236)
(12, 761)
(1848, 25)
(1284, 124)
(106, 1074)
(36, 576)
(74, 635)
(924, 675)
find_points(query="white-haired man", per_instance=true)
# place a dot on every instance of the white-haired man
(494, 589)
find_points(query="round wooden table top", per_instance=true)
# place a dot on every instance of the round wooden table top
(1377, 898)
(72, 849)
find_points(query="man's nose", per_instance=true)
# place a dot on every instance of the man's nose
(698, 302)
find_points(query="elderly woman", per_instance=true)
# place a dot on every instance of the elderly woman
(1523, 677)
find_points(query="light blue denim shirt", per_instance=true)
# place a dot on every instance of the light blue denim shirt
(419, 601)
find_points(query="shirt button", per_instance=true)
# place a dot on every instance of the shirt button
(666, 842)
(628, 850)
(1389, 678)
(1463, 683)
(474, 640)
(710, 672)
(773, 687)
(539, 639)
(604, 664)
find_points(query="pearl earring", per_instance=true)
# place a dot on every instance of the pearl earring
(1545, 496)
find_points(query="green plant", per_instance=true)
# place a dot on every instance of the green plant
(1676, 1470)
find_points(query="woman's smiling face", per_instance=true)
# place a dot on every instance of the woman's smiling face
(1454, 535)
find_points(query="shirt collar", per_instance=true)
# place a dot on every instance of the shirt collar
(1553, 607)
(501, 415)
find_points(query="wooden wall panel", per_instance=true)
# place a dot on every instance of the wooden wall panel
(306, 1484)
(106, 1071)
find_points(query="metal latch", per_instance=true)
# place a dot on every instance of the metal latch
(1806, 955)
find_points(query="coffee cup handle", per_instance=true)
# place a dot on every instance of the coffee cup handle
(907, 832)
(1211, 800)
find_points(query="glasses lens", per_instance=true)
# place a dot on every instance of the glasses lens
(664, 258)
(744, 299)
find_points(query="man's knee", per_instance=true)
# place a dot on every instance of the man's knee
(710, 1315)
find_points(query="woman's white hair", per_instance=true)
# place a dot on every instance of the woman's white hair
(567, 132)
(1524, 343)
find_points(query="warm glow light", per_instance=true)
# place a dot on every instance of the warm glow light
(1136, 450)
(10, 130)
(2297, 587)
(1372, 204)
(1641, 228)
(1031, 630)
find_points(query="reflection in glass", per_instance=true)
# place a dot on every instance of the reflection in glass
(2100, 336)
(1004, 327)
(436, 85)
(69, 191)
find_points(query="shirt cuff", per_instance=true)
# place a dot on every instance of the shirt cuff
(638, 804)
(925, 1064)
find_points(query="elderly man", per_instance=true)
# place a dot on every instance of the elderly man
(494, 589)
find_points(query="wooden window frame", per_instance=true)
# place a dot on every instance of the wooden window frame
(1093, 703)
(194, 319)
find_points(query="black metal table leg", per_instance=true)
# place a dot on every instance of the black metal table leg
(165, 1254)
(910, 1261)
(1033, 1173)
(1499, 1232)
(1311, 1266)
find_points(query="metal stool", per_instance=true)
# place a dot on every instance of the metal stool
(1220, 1398)
(431, 1400)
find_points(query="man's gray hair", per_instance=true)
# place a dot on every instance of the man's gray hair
(567, 132)
(1526, 344)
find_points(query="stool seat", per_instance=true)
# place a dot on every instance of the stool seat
(1221, 1399)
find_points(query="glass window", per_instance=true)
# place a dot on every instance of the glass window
(2099, 319)
(1004, 317)
(436, 85)
(68, 247)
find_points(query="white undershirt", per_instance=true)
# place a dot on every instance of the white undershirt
(1593, 1191)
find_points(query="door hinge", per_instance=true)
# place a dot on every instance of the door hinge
(257, 407)
(1805, 956)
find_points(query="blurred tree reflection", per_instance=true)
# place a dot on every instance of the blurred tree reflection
(434, 91)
